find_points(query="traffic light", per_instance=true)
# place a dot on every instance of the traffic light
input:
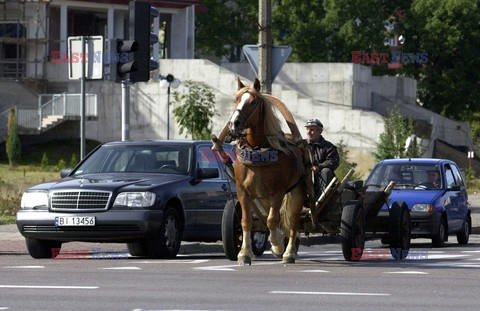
(123, 62)
(141, 14)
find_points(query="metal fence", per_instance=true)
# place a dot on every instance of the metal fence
(67, 105)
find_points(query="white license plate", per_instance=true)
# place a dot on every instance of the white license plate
(74, 221)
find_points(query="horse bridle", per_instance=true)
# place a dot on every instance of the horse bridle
(242, 114)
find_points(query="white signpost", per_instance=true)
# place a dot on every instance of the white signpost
(93, 60)
(85, 61)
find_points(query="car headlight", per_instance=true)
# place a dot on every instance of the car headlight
(34, 200)
(135, 199)
(422, 208)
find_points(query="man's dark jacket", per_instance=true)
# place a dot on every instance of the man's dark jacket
(324, 154)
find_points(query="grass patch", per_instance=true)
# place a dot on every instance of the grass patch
(30, 171)
(55, 150)
(6, 220)
(13, 182)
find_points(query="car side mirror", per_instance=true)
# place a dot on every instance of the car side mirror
(454, 188)
(65, 172)
(205, 173)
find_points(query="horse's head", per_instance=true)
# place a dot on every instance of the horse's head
(247, 106)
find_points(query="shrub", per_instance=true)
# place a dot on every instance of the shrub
(393, 139)
(73, 160)
(345, 165)
(61, 164)
(12, 144)
(44, 161)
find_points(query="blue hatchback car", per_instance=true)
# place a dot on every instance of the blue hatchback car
(435, 192)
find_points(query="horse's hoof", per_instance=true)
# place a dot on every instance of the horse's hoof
(244, 260)
(289, 259)
(278, 251)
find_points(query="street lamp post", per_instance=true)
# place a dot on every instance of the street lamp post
(167, 82)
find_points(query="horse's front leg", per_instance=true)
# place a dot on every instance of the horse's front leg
(245, 256)
(276, 235)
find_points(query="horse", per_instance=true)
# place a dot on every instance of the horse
(271, 177)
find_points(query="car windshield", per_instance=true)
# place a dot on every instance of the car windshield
(171, 159)
(407, 176)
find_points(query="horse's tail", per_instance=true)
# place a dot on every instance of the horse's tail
(285, 212)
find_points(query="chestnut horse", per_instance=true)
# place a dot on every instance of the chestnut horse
(268, 167)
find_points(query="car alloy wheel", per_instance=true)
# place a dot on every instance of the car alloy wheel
(171, 232)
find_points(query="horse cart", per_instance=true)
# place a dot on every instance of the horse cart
(345, 208)
(271, 177)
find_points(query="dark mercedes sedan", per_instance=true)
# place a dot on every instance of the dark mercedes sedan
(148, 194)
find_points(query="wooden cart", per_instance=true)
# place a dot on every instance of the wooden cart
(345, 208)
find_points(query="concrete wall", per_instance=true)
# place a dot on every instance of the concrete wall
(331, 83)
(396, 89)
(15, 93)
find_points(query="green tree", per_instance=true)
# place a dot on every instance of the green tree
(225, 26)
(392, 140)
(12, 144)
(448, 30)
(329, 30)
(299, 24)
(475, 127)
(194, 110)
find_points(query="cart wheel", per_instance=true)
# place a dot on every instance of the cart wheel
(259, 242)
(232, 229)
(399, 228)
(352, 231)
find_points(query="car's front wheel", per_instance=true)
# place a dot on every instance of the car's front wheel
(137, 249)
(166, 243)
(43, 249)
(438, 240)
(464, 234)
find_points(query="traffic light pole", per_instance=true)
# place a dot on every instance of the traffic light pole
(125, 110)
(168, 112)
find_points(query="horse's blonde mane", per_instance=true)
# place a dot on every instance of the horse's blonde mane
(273, 128)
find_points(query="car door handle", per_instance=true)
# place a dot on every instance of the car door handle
(224, 187)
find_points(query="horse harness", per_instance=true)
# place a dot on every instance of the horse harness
(253, 156)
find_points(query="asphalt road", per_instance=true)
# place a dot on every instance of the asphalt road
(201, 278)
(436, 279)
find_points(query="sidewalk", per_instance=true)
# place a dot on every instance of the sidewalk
(12, 242)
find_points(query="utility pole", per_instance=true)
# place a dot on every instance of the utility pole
(265, 45)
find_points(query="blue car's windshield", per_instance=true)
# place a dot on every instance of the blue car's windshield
(171, 159)
(407, 176)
